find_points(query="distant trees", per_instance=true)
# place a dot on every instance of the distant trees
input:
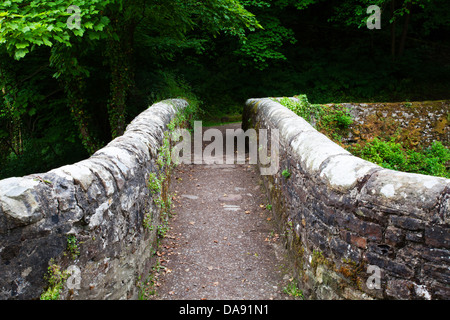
(398, 17)
(74, 30)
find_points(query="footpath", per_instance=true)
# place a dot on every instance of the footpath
(221, 242)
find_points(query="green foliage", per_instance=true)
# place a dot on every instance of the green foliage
(55, 279)
(173, 87)
(393, 155)
(337, 116)
(286, 173)
(147, 287)
(154, 183)
(302, 107)
(388, 154)
(354, 12)
(34, 123)
(325, 118)
(147, 221)
(25, 25)
(65, 91)
(292, 290)
(71, 45)
(265, 46)
(72, 246)
(157, 182)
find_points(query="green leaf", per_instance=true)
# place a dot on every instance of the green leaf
(94, 36)
(22, 45)
(78, 32)
(47, 42)
(19, 54)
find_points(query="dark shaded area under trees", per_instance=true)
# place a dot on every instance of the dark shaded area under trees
(65, 92)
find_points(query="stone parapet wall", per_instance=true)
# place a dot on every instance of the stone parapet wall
(86, 217)
(354, 230)
(416, 124)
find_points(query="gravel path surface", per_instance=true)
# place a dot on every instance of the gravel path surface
(222, 243)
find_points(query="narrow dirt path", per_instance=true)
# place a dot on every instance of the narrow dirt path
(222, 243)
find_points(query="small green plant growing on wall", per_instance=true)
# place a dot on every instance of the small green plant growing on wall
(337, 116)
(147, 221)
(292, 290)
(286, 173)
(157, 181)
(55, 279)
(146, 287)
(154, 183)
(72, 246)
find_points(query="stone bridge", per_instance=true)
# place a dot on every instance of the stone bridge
(353, 230)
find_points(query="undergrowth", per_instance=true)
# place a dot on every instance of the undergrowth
(394, 155)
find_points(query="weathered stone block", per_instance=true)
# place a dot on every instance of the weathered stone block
(398, 269)
(414, 236)
(407, 223)
(399, 289)
(354, 239)
(404, 193)
(312, 148)
(437, 236)
(18, 200)
(394, 236)
(343, 172)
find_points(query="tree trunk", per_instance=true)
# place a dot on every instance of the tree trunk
(74, 92)
(74, 84)
(393, 30)
(12, 112)
(119, 54)
(401, 48)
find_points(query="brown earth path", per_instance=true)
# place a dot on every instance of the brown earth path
(222, 243)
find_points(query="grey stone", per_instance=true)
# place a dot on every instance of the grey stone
(189, 196)
(342, 172)
(230, 197)
(229, 207)
(18, 199)
(80, 174)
